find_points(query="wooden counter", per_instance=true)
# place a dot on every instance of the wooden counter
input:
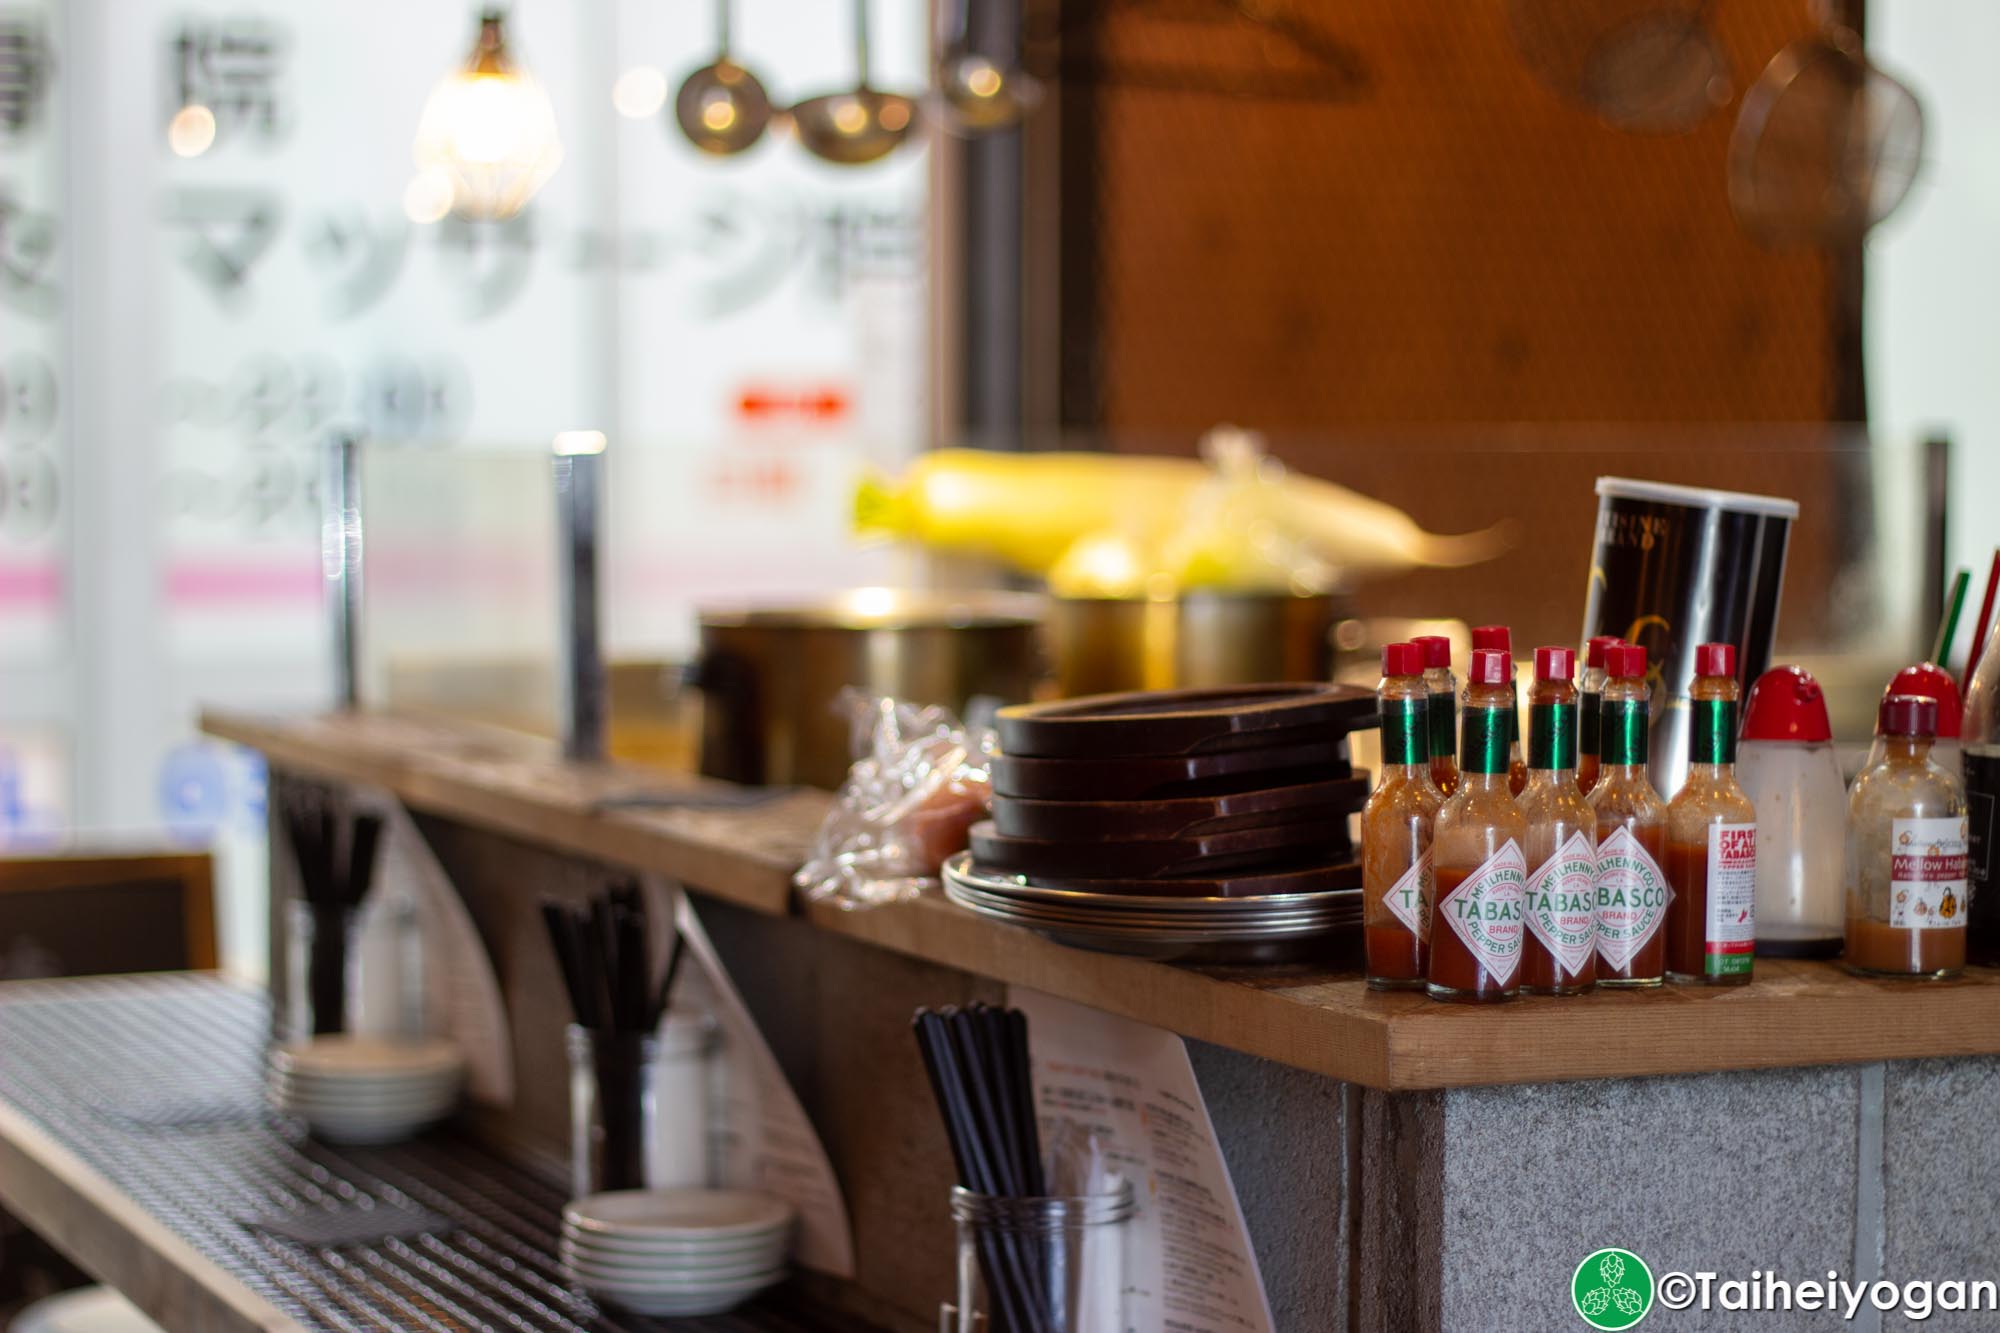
(1794, 1014)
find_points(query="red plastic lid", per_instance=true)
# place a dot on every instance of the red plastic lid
(1436, 649)
(1491, 666)
(1493, 636)
(1930, 681)
(1786, 705)
(1402, 659)
(1555, 663)
(1627, 661)
(1594, 646)
(1715, 659)
(1907, 715)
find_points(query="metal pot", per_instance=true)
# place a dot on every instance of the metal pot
(1109, 645)
(770, 676)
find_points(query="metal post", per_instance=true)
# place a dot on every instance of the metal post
(579, 467)
(340, 557)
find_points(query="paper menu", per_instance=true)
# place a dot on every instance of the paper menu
(767, 1141)
(1190, 1264)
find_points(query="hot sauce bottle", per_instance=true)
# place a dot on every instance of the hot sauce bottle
(1589, 720)
(1560, 954)
(1712, 839)
(1632, 890)
(1501, 639)
(1436, 649)
(1906, 853)
(1481, 870)
(1396, 829)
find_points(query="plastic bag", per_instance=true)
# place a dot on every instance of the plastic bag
(921, 781)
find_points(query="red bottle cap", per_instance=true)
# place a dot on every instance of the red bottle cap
(1930, 681)
(1715, 659)
(1555, 663)
(1626, 661)
(1402, 659)
(1436, 649)
(1491, 666)
(1593, 649)
(1497, 637)
(1907, 715)
(1786, 705)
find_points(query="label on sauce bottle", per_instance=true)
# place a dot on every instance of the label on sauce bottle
(1927, 873)
(1409, 898)
(1732, 900)
(1632, 897)
(1562, 902)
(1486, 910)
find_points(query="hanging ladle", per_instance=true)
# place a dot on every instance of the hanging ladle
(982, 94)
(864, 125)
(722, 108)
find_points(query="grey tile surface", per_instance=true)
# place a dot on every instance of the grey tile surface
(1283, 1134)
(1728, 1172)
(1941, 1181)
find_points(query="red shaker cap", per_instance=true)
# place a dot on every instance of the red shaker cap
(1715, 659)
(1491, 666)
(1402, 659)
(1555, 663)
(1497, 637)
(1930, 681)
(1626, 661)
(1594, 646)
(1907, 715)
(1436, 649)
(1786, 704)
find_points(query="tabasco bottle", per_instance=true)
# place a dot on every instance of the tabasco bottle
(1591, 691)
(1632, 890)
(1396, 829)
(1712, 839)
(1480, 866)
(1501, 639)
(1560, 954)
(1436, 649)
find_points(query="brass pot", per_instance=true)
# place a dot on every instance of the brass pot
(1105, 645)
(770, 676)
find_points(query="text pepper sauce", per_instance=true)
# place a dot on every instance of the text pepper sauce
(1632, 890)
(1479, 868)
(1560, 954)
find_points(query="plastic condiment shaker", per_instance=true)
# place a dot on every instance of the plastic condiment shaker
(1786, 764)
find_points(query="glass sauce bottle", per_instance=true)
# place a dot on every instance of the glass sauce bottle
(1712, 839)
(1396, 829)
(1560, 954)
(1477, 923)
(1436, 649)
(1589, 718)
(1980, 766)
(1906, 853)
(1499, 638)
(1632, 890)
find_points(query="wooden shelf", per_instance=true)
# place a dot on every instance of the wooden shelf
(1327, 1022)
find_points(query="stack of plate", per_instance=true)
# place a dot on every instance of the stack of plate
(366, 1089)
(676, 1251)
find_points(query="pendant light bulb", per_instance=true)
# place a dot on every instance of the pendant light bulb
(490, 129)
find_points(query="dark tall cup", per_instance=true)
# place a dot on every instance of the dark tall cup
(1678, 566)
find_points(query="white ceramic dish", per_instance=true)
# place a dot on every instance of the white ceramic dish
(654, 1278)
(345, 1056)
(629, 1249)
(693, 1214)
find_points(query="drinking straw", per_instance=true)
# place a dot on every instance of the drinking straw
(1024, 1094)
(1982, 627)
(1953, 606)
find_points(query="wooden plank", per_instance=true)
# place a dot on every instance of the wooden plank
(114, 1240)
(1795, 1013)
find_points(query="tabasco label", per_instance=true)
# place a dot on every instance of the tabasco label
(1486, 910)
(1632, 896)
(1731, 929)
(1927, 873)
(1562, 902)
(1409, 898)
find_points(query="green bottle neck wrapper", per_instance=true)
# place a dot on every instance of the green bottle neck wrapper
(1443, 712)
(1406, 731)
(1486, 733)
(1624, 732)
(1589, 719)
(1552, 732)
(1714, 731)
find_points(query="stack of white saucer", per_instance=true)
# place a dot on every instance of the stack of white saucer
(365, 1090)
(676, 1251)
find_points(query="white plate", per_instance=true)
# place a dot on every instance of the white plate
(383, 1101)
(674, 1279)
(346, 1056)
(740, 1288)
(688, 1214)
(681, 1304)
(619, 1249)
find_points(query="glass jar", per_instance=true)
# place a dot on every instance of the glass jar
(1787, 767)
(1906, 853)
(1052, 1264)
(640, 1106)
